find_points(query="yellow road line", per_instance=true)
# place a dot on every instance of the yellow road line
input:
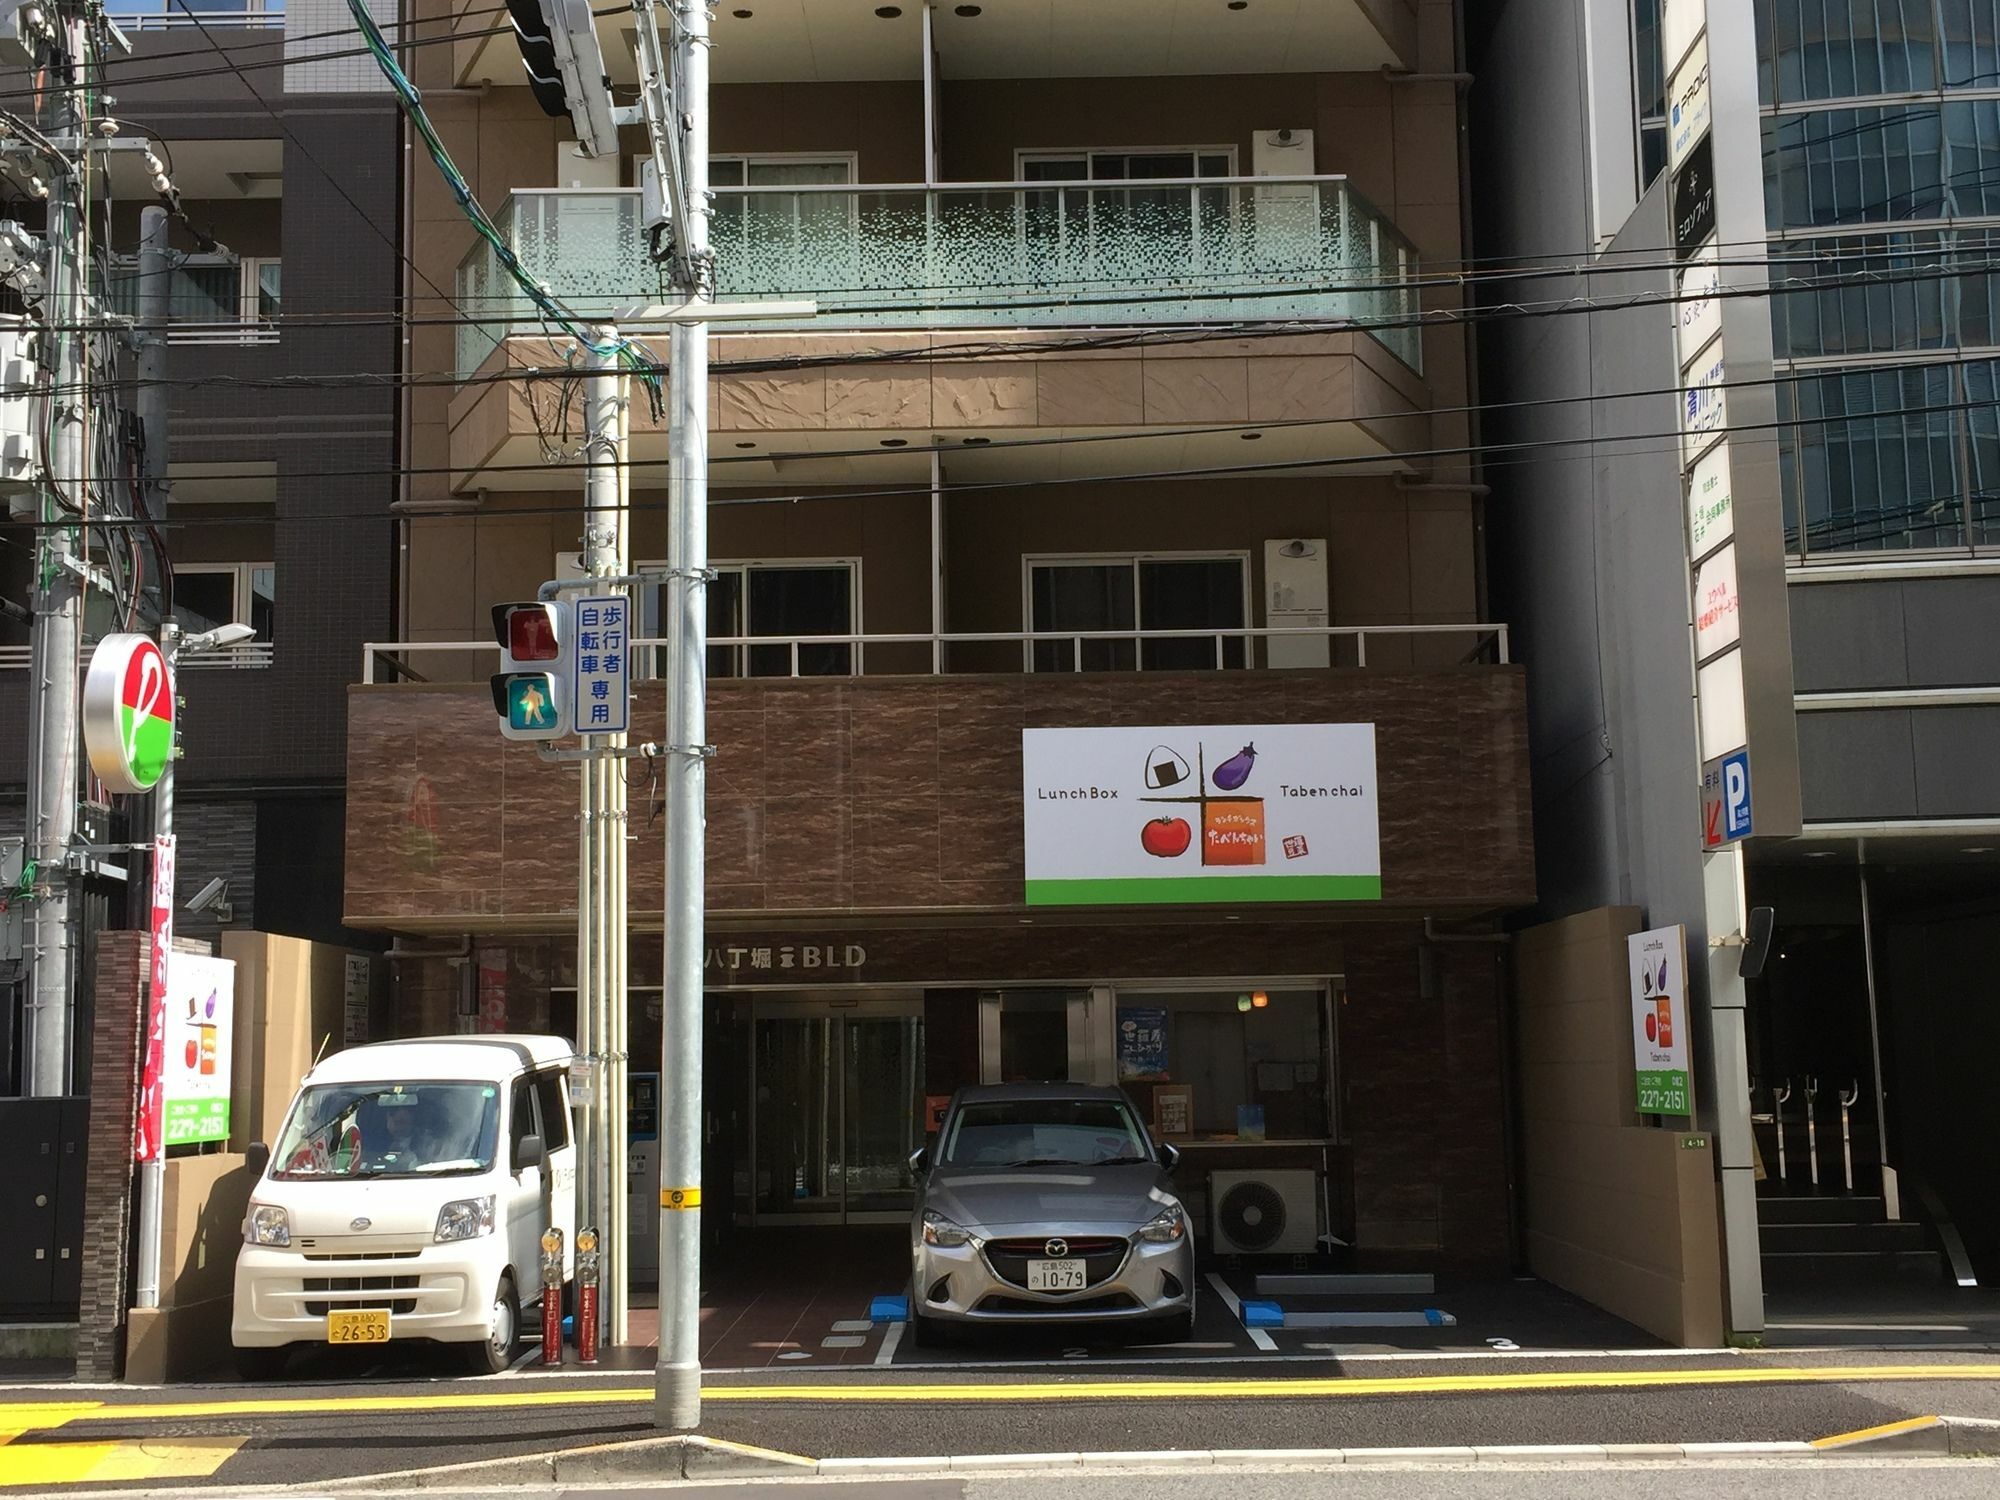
(1869, 1434)
(487, 1398)
(46, 1465)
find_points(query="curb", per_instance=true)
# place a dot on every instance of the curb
(1964, 1437)
(677, 1457)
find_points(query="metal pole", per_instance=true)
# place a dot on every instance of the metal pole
(58, 624)
(602, 1167)
(1891, 1199)
(618, 1277)
(150, 401)
(678, 1388)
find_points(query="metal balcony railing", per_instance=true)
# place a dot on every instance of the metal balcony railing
(807, 655)
(978, 255)
(152, 15)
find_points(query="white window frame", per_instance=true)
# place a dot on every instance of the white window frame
(1032, 560)
(1023, 155)
(748, 565)
(251, 653)
(249, 327)
(851, 160)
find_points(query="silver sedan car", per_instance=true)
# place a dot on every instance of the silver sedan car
(1048, 1203)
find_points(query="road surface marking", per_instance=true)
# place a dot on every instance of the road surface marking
(1258, 1336)
(1179, 1389)
(1869, 1434)
(891, 1341)
(132, 1460)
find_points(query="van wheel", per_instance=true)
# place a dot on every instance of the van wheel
(503, 1331)
(261, 1364)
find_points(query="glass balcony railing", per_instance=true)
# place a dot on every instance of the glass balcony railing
(979, 255)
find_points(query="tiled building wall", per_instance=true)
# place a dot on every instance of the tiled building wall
(885, 793)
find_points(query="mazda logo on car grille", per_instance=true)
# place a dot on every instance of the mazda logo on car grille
(1056, 1249)
(361, 1223)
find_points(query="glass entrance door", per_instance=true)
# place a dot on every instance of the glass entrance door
(837, 1111)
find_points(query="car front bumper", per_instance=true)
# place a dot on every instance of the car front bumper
(440, 1292)
(961, 1285)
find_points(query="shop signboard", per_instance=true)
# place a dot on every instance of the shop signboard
(200, 1018)
(1698, 317)
(1185, 814)
(1660, 1020)
(1693, 199)
(1711, 507)
(1716, 611)
(1688, 108)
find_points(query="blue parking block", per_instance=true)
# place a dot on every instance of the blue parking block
(1263, 1315)
(889, 1310)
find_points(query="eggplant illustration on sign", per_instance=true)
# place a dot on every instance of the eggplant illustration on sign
(1232, 773)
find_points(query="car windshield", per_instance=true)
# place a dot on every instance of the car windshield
(389, 1130)
(1043, 1133)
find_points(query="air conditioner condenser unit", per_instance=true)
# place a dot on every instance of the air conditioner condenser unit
(1264, 1213)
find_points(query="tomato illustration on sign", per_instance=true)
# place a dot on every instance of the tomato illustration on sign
(1166, 838)
(1652, 1027)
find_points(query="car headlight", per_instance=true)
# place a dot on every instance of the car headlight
(1170, 1228)
(940, 1231)
(464, 1219)
(268, 1224)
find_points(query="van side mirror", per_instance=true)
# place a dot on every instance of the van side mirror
(528, 1152)
(1170, 1156)
(258, 1155)
(919, 1160)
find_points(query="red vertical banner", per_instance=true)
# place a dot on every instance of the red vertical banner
(150, 1125)
(492, 990)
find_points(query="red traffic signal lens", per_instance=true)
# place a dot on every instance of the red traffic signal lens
(531, 634)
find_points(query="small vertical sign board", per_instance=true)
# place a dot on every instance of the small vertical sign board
(602, 660)
(1660, 1020)
(355, 995)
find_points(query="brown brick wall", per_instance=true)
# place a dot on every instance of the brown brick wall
(121, 964)
(856, 795)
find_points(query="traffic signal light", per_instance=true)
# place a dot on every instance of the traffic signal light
(531, 691)
(566, 69)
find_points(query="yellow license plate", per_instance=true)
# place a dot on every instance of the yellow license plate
(368, 1325)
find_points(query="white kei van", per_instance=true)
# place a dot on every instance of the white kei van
(406, 1199)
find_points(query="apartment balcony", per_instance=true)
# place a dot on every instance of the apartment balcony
(901, 796)
(978, 267)
(808, 41)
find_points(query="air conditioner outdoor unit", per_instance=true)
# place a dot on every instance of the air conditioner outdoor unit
(1264, 1213)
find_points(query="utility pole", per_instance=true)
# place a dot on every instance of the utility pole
(678, 1376)
(57, 634)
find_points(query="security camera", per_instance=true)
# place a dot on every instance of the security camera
(213, 897)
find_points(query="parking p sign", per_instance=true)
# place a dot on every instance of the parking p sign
(1725, 800)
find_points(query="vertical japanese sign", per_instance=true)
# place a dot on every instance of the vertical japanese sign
(356, 992)
(603, 657)
(1658, 963)
(200, 1015)
(149, 1127)
(1142, 1041)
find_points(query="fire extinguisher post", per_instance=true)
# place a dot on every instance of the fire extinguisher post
(552, 1280)
(586, 1296)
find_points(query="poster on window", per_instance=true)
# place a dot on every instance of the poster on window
(200, 1022)
(1186, 814)
(1658, 961)
(1142, 1041)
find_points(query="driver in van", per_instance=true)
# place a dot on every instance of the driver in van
(389, 1137)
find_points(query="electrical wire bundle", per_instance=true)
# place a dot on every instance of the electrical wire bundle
(627, 352)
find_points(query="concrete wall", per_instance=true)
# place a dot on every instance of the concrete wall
(1619, 1213)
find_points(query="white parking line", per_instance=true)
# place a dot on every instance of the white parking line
(1258, 1336)
(890, 1342)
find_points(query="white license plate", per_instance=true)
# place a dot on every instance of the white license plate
(1055, 1276)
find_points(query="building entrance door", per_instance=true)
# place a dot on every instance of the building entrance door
(836, 1089)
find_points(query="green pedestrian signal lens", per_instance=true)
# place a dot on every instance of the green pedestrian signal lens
(531, 702)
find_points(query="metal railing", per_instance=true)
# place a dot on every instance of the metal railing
(251, 654)
(1489, 646)
(978, 255)
(245, 15)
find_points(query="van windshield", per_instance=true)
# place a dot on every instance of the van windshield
(389, 1130)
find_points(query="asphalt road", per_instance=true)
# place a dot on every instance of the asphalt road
(295, 1433)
